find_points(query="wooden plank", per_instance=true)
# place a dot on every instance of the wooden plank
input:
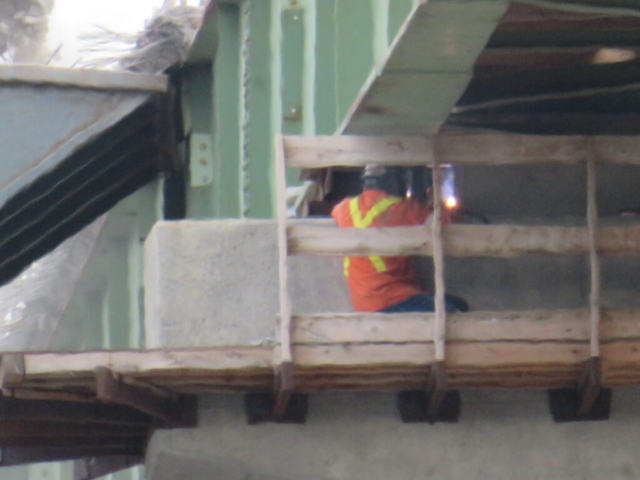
(539, 349)
(506, 60)
(526, 327)
(284, 359)
(456, 149)
(171, 363)
(29, 432)
(167, 407)
(460, 240)
(617, 149)
(70, 412)
(589, 385)
(436, 390)
(11, 369)
(355, 151)
(439, 326)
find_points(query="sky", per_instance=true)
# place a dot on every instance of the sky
(71, 18)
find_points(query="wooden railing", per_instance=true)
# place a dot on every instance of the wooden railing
(453, 362)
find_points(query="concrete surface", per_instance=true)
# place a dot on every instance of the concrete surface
(219, 283)
(500, 436)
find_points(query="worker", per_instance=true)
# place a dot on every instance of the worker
(386, 284)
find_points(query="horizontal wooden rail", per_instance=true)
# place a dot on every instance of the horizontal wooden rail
(322, 238)
(462, 149)
(532, 349)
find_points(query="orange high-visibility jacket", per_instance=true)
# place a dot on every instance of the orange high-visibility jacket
(378, 282)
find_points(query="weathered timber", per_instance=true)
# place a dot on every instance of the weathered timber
(506, 60)
(15, 409)
(589, 384)
(438, 274)
(167, 407)
(456, 149)
(49, 432)
(539, 349)
(171, 363)
(284, 360)
(321, 238)
(11, 369)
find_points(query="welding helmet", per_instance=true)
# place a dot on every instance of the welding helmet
(391, 180)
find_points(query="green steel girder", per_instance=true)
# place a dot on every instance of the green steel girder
(281, 66)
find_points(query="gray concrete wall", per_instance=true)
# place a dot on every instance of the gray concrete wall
(500, 436)
(215, 282)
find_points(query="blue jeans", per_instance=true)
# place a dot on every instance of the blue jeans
(423, 302)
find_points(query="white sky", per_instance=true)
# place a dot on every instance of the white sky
(71, 18)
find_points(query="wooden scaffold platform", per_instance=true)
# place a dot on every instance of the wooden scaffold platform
(585, 349)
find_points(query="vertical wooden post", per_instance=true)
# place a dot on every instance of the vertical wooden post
(594, 261)
(437, 383)
(438, 265)
(284, 361)
(589, 384)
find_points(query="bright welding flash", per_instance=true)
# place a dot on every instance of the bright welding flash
(449, 188)
(451, 202)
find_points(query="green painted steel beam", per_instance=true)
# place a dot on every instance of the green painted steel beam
(354, 50)
(292, 66)
(427, 68)
(399, 11)
(325, 53)
(226, 115)
(256, 114)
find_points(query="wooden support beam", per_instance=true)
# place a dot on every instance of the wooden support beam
(589, 386)
(14, 409)
(284, 361)
(534, 349)
(22, 433)
(11, 369)
(436, 390)
(594, 261)
(438, 267)
(168, 408)
(438, 383)
(322, 238)
(507, 60)
(456, 149)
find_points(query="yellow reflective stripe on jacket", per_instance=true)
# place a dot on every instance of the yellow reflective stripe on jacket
(359, 222)
(378, 263)
(371, 215)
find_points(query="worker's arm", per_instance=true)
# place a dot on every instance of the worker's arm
(414, 213)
